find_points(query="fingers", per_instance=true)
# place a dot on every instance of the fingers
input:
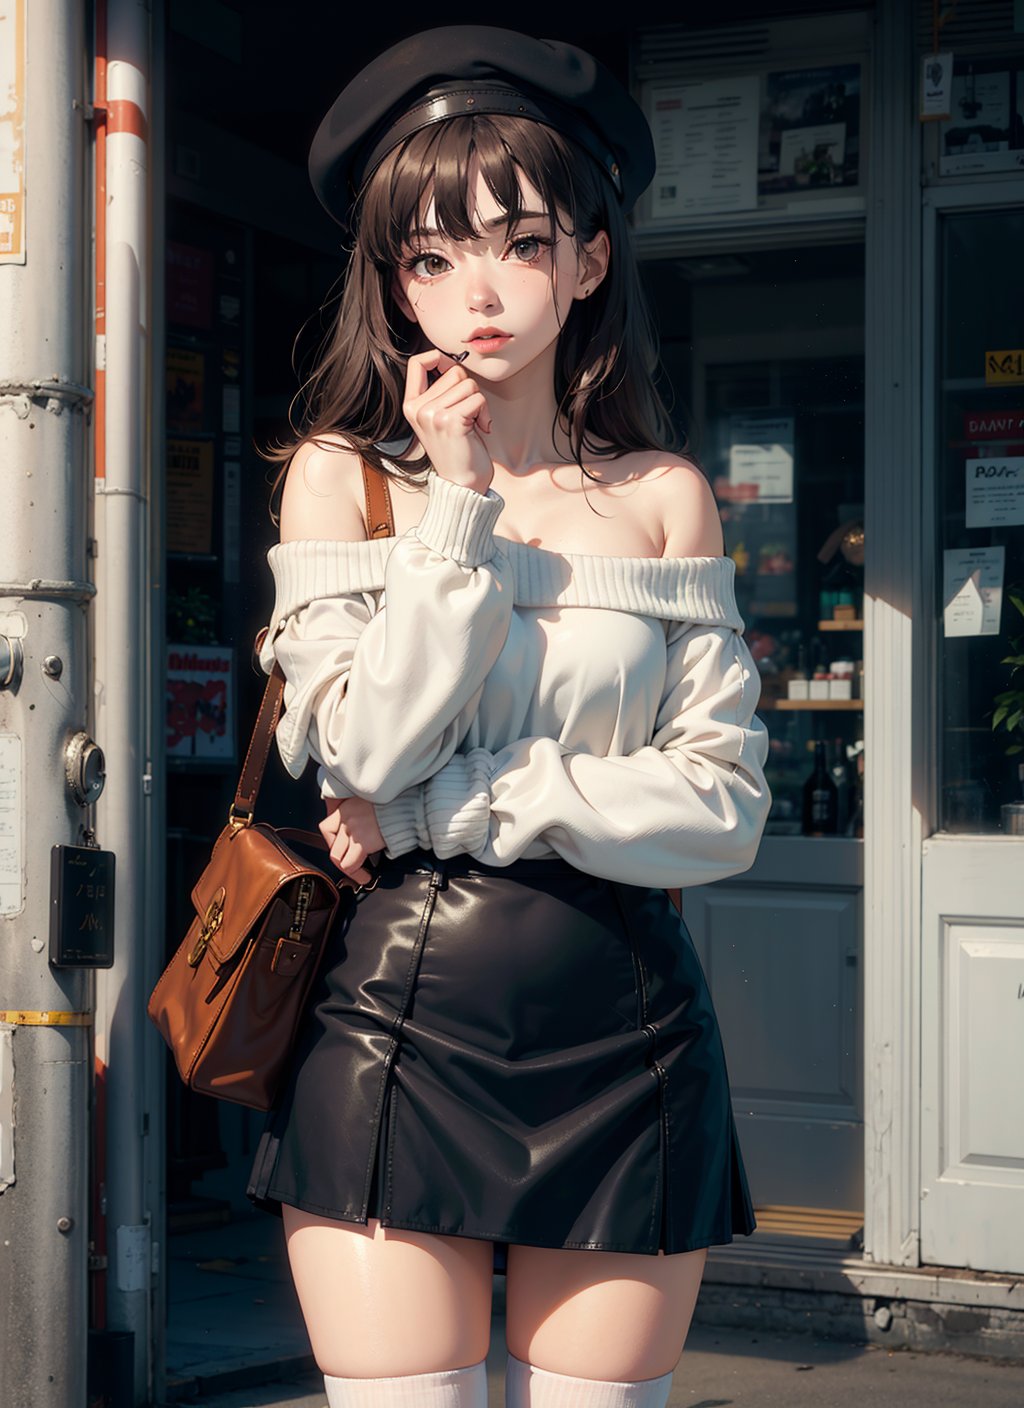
(417, 370)
(356, 838)
(350, 857)
(459, 408)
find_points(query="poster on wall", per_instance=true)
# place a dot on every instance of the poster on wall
(190, 496)
(810, 129)
(705, 137)
(185, 373)
(189, 287)
(986, 129)
(200, 722)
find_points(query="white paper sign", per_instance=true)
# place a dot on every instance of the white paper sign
(12, 805)
(995, 492)
(705, 135)
(972, 589)
(761, 453)
(936, 86)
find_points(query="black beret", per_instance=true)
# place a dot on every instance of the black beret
(468, 69)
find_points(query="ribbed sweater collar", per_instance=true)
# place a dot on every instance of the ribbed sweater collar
(697, 589)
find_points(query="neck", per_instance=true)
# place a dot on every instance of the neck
(522, 415)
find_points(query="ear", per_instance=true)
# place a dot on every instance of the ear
(593, 260)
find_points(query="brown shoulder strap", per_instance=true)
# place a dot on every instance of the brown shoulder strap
(380, 520)
(380, 523)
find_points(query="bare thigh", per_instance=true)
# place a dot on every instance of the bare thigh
(380, 1302)
(601, 1315)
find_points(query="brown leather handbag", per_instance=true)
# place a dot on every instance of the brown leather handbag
(230, 1000)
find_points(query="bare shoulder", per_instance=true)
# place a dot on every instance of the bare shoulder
(682, 498)
(323, 492)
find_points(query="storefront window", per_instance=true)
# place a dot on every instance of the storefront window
(980, 519)
(765, 351)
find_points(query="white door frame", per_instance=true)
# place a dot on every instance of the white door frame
(896, 721)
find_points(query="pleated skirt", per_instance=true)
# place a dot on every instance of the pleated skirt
(524, 1054)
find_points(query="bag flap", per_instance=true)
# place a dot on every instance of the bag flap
(249, 865)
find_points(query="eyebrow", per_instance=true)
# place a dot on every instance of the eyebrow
(429, 232)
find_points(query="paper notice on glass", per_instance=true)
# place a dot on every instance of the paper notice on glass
(972, 590)
(761, 457)
(995, 492)
(978, 135)
(936, 86)
(705, 135)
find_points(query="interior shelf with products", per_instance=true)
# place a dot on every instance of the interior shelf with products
(840, 625)
(815, 704)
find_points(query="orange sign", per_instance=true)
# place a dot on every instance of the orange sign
(12, 133)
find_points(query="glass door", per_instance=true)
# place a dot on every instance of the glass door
(972, 1158)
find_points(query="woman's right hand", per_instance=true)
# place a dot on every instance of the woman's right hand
(353, 836)
(450, 418)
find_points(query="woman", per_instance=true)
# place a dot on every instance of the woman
(533, 705)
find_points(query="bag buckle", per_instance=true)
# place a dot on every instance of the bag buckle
(211, 923)
(238, 817)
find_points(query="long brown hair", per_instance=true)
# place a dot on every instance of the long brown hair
(607, 357)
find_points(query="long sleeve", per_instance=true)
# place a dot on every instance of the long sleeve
(381, 698)
(687, 809)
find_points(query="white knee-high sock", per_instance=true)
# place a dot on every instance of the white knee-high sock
(526, 1386)
(449, 1388)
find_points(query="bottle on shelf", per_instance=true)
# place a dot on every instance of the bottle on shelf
(855, 823)
(841, 778)
(821, 797)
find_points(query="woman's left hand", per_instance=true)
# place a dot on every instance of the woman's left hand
(350, 828)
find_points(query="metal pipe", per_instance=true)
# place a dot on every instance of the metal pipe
(44, 595)
(122, 664)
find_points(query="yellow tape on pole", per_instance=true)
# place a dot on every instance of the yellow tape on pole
(47, 1019)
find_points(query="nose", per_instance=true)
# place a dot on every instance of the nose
(481, 295)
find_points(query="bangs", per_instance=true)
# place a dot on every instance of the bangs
(433, 167)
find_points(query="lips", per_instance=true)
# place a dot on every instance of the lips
(486, 340)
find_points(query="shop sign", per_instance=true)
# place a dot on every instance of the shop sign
(993, 425)
(1005, 368)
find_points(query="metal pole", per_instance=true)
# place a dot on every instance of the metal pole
(44, 700)
(123, 1038)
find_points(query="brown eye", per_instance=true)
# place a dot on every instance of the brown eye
(428, 266)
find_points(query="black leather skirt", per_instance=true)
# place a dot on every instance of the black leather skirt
(525, 1054)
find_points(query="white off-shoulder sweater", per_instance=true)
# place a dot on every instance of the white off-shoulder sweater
(503, 700)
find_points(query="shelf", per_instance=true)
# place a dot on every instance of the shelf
(840, 625)
(829, 705)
